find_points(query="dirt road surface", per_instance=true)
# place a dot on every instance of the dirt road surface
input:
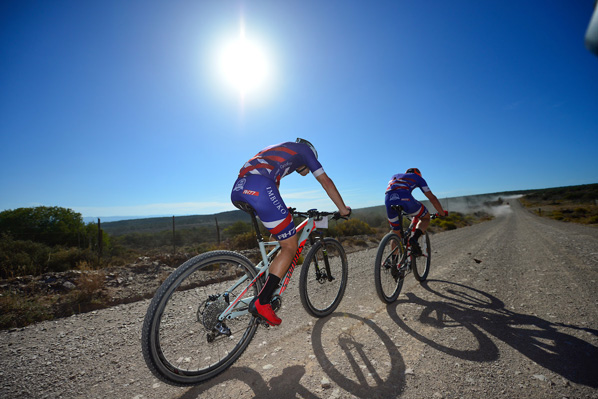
(509, 311)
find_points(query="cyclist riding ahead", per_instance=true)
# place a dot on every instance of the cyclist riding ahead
(257, 185)
(399, 192)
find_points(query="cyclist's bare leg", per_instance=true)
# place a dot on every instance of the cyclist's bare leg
(261, 306)
(393, 244)
(282, 262)
(423, 223)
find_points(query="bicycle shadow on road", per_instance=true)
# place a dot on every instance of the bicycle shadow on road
(282, 386)
(349, 358)
(485, 316)
(335, 346)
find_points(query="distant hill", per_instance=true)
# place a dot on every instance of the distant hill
(155, 224)
(373, 215)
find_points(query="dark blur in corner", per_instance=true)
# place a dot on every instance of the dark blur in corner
(592, 32)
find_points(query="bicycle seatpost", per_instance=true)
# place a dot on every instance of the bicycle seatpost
(256, 226)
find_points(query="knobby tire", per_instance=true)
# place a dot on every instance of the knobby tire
(178, 343)
(321, 292)
(388, 287)
(421, 264)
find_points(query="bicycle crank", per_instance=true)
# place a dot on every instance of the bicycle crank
(276, 302)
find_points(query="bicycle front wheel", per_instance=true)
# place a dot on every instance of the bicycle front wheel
(421, 264)
(183, 342)
(323, 277)
(387, 277)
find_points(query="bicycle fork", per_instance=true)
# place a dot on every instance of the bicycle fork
(321, 276)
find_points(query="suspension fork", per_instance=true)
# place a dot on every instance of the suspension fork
(329, 276)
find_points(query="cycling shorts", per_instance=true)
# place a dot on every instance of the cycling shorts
(263, 196)
(410, 205)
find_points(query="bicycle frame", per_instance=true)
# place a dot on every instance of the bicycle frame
(305, 228)
(405, 233)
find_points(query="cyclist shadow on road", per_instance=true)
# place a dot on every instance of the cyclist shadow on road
(485, 316)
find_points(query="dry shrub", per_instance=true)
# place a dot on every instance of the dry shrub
(89, 286)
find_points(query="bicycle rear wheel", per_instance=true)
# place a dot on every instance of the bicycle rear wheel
(183, 343)
(323, 277)
(421, 264)
(387, 278)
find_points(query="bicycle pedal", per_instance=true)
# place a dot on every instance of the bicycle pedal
(262, 322)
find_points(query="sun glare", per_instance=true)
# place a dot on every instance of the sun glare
(244, 64)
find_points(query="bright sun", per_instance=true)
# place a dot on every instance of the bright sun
(244, 64)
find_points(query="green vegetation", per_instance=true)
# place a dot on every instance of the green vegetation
(351, 227)
(578, 204)
(47, 239)
(456, 220)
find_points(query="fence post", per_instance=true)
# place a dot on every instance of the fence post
(173, 237)
(217, 231)
(99, 242)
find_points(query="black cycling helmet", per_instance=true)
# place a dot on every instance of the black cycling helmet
(414, 170)
(310, 145)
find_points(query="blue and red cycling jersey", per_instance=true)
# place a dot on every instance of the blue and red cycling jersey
(258, 180)
(407, 181)
(277, 161)
(398, 192)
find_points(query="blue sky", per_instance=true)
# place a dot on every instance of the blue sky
(116, 108)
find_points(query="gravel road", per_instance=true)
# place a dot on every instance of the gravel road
(509, 311)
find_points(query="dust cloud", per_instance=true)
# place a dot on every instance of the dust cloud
(493, 204)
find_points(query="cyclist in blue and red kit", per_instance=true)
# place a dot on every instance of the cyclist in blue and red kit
(257, 185)
(398, 192)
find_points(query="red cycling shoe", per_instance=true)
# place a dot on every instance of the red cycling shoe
(264, 312)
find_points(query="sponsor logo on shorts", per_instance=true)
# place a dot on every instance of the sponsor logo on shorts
(251, 192)
(240, 184)
(276, 202)
(283, 236)
(395, 197)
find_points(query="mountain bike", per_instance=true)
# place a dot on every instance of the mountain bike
(198, 323)
(395, 259)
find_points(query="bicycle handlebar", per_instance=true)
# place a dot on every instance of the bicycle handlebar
(314, 213)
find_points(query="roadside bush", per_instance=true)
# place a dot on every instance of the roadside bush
(244, 241)
(19, 311)
(64, 259)
(351, 227)
(236, 229)
(447, 225)
(88, 287)
(20, 258)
